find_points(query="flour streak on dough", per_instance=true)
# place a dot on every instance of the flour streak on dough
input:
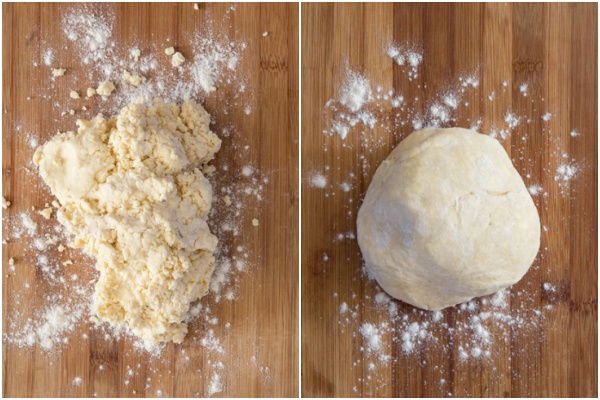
(133, 195)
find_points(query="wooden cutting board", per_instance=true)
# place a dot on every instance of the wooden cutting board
(260, 355)
(551, 47)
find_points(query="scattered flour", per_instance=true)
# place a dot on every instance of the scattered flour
(469, 81)
(375, 112)
(534, 190)
(215, 385)
(511, 120)
(356, 91)
(565, 172)
(417, 329)
(48, 330)
(406, 56)
(48, 57)
(523, 89)
(247, 170)
(371, 335)
(360, 107)
(318, 180)
(91, 30)
(343, 307)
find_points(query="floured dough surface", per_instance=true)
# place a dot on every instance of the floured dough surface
(133, 195)
(447, 218)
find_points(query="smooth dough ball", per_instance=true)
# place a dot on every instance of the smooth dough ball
(447, 218)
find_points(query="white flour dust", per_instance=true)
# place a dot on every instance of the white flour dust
(138, 70)
(409, 56)
(318, 181)
(356, 92)
(90, 39)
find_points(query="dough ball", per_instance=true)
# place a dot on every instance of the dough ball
(447, 218)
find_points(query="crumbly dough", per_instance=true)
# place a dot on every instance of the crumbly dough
(58, 72)
(105, 88)
(46, 212)
(177, 59)
(447, 218)
(133, 195)
(133, 79)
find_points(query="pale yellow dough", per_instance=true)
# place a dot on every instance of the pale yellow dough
(447, 218)
(133, 195)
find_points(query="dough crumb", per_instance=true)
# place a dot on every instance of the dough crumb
(170, 51)
(227, 200)
(133, 79)
(208, 170)
(74, 94)
(90, 92)
(58, 72)
(105, 88)
(55, 204)
(177, 59)
(5, 203)
(265, 34)
(11, 261)
(254, 222)
(61, 248)
(196, 6)
(72, 112)
(46, 212)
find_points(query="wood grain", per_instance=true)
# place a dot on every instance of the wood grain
(260, 347)
(552, 47)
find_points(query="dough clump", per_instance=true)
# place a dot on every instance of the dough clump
(133, 195)
(447, 218)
